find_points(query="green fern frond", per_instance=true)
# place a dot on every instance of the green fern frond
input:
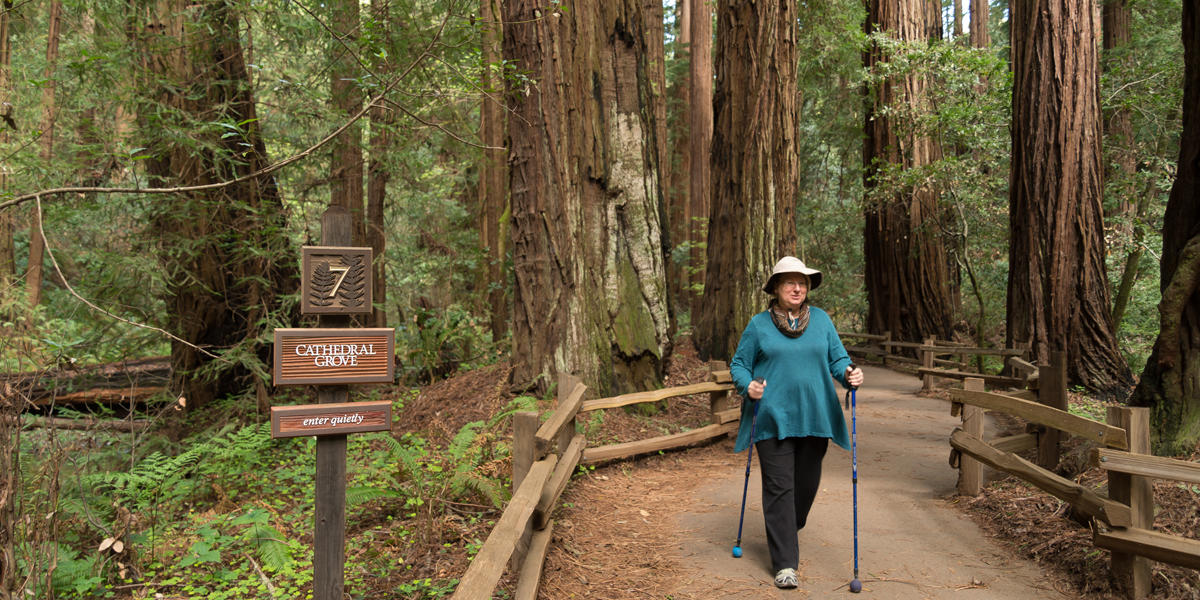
(363, 494)
(493, 492)
(463, 441)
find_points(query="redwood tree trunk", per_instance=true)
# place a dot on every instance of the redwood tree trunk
(224, 252)
(980, 36)
(1058, 296)
(1170, 383)
(590, 295)
(754, 166)
(493, 194)
(700, 120)
(909, 282)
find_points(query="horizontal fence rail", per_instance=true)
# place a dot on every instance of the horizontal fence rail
(1122, 520)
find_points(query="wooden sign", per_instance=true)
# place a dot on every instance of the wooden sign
(335, 280)
(313, 356)
(330, 419)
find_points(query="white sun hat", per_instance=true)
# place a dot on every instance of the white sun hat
(791, 264)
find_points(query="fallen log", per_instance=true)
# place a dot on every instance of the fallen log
(82, 424)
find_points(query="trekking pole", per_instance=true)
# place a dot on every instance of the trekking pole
(855, 584)
(737, 546)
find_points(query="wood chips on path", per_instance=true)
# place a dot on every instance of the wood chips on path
(664, 527)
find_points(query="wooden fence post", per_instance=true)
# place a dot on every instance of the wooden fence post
(887, 346)
(927, 362)
(1052, 391)
(524, 451)
(1132, 572)
(717, 401)
(566, 385)
(970, 471)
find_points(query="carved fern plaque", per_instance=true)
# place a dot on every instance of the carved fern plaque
(335, 280)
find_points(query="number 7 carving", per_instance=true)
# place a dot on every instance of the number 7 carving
(343, 271)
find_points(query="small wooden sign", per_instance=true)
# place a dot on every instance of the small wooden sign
(330, 419)
(335, 280)
(314, 356)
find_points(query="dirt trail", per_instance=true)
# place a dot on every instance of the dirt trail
(912, 544)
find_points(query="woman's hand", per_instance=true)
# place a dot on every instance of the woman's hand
(854, 376)
(755, 389)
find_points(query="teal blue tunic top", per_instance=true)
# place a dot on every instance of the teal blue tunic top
(800, 399)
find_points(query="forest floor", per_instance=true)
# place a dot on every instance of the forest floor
(663, 526)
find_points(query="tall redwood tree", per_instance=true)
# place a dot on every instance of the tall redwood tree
(910, 285)
(1058, 297)
(1170, 383)
(590, 280)
(754, 166)
(225, 254)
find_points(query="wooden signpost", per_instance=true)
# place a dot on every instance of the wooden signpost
(313, 356)
(335, 283)
(331, 419)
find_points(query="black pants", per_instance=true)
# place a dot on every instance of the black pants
(791, 474)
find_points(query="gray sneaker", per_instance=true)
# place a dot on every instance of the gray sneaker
(786, 579)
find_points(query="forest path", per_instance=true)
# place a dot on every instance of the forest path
(665, 527)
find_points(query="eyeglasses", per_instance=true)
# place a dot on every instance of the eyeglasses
(787, 285)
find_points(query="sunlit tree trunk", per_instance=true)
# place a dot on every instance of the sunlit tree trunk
(346, 162)
(37, 244)
(225, 253)
(700, 133)
(8, 263)
(910, 285)
(1170, 383)
(1058, 296)
(590, 295)
(754, 166)
(493, 193)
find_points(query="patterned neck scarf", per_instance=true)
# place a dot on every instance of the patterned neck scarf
(786, 325)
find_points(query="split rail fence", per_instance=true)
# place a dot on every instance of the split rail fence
(940, 358)
(545, 456)
(1123, 520)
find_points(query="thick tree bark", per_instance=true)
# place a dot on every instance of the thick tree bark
(8, 262)
(1058, 297)
(980, 36)
(700, 134)
(590, 295)
(225, 253)
(346, 161)
(754, 166)
(1170, 383)
(37, 244)
(910, 285)
(493, 194)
